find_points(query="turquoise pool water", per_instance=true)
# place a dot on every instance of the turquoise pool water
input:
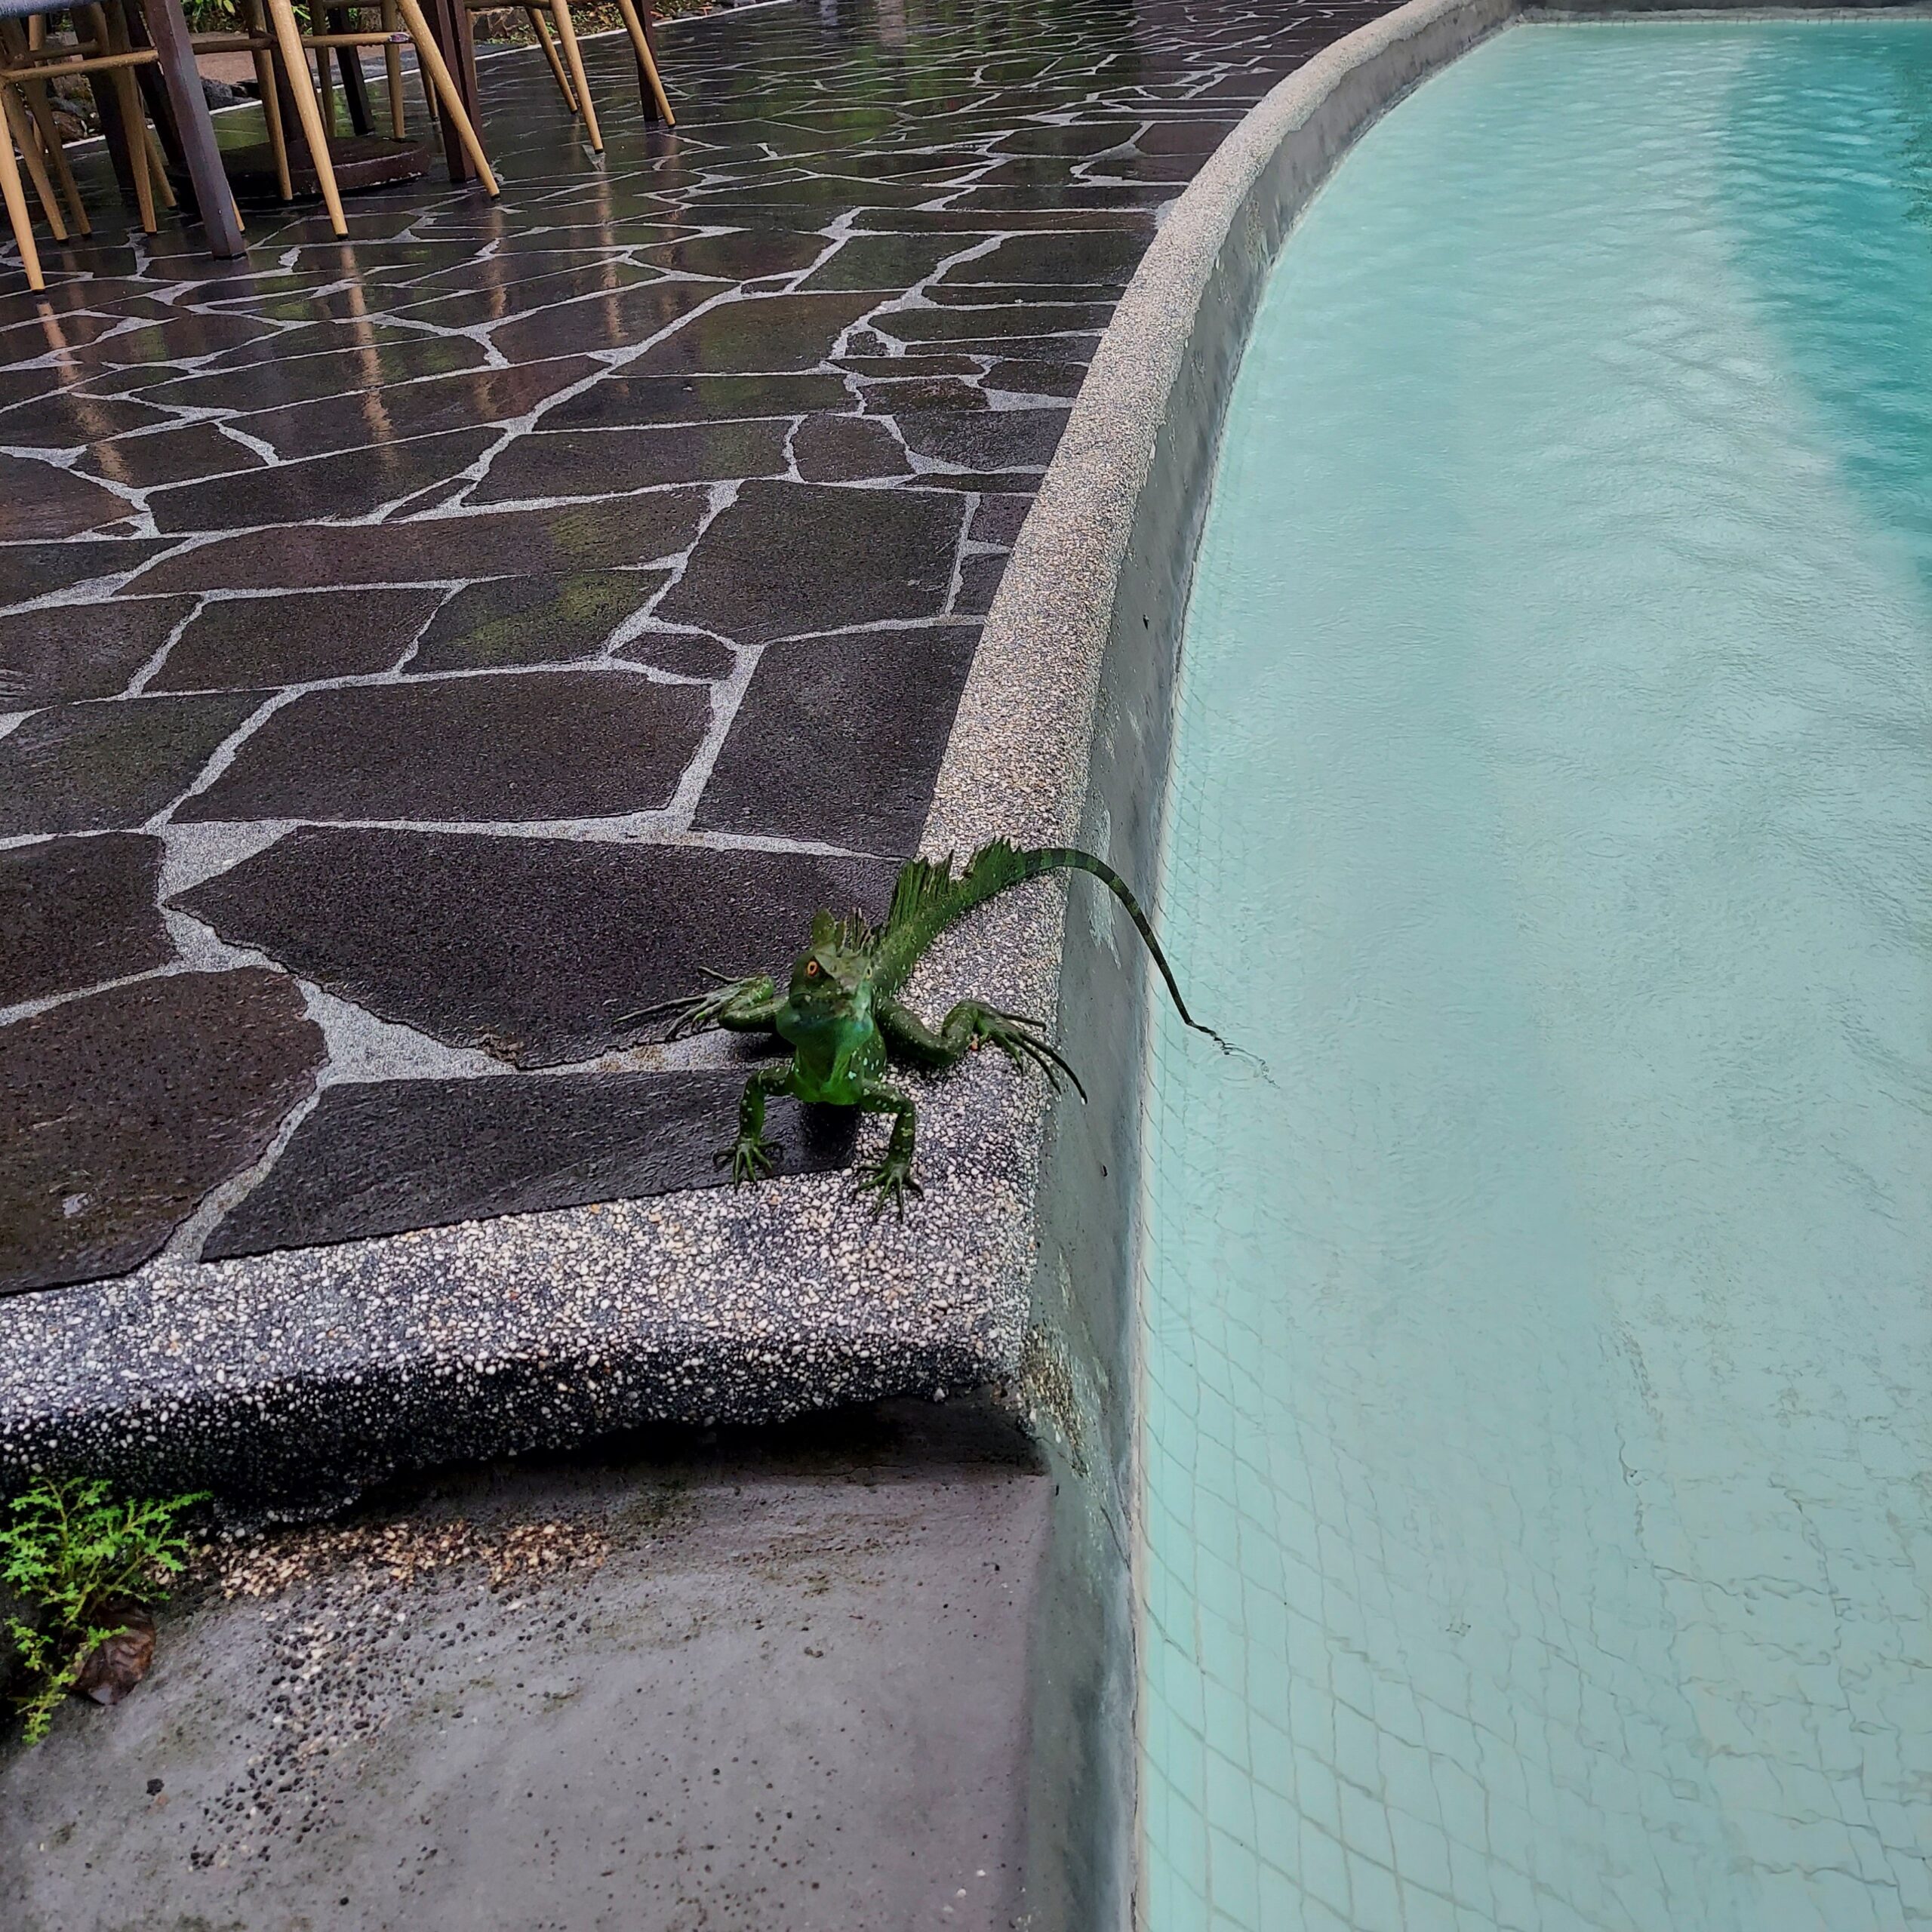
(1537, 1497)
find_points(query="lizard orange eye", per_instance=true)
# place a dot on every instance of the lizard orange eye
(811, 969)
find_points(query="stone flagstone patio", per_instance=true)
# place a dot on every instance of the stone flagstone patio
(417, 652)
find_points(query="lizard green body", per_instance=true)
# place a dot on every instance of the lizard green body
(843, 1018)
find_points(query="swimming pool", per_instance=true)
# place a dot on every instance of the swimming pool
(1535, 1362)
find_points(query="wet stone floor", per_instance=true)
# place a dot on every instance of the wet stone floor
(418, 653)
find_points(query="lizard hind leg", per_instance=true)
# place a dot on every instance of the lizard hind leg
(889, 1177)
(1023, 1040)
(965, 1029)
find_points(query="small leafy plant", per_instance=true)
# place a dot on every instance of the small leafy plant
(86, 1565)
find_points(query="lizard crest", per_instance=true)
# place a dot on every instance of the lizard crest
(843, 1018)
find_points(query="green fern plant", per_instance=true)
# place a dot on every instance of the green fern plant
(80, 1558)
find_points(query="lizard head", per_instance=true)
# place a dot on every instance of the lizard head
(827, 976)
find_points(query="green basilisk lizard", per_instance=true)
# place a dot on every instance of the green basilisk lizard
(843, 1020)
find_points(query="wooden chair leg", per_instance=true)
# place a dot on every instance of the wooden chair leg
(435, 69)
(15, 195)
(647, 66)
(392, 72)
(541, 31)
(560, 12)
(40, 101)
(128, 101)
(295, 65)
(252, 25)
(19, 133)
(158, 168)
(36, 97)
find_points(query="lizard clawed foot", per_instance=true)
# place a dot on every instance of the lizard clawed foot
(751, 1157)
(695, 1011)
(889, 1179)
(1024, 1041)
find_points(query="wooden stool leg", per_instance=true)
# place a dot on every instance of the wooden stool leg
(295, 65)
(549, 47)
(41, 102)
(560, 12)
(19, 133)
(647, 66)
(393, 72)
(158, 168)
(127, 100)
(252, 26)
(14, 195)
(429, 55)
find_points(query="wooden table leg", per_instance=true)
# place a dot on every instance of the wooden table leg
(636, 14)
(192, 128)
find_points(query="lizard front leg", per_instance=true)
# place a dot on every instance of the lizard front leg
(1023, 1041)
(890, 1176)
(739, 1006)
(751, 1157)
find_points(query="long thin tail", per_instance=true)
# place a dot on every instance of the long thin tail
(1052, 858)
(929, 898)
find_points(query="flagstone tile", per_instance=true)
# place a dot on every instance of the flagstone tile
(643, 400)
(74, 912)
(767, 333)
(537, 745)
(986, 439)
(37, 500)
(534, 949)
(383, 1157)
(253, 643)
(152, 460)
(835, 449)
(593, 462)
(76, 651)
(445, 549)
(548, 619)
(102, 766)
(137, 1102)
(415, 408)
(350, 484)
(858, 723)
(788, 558)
